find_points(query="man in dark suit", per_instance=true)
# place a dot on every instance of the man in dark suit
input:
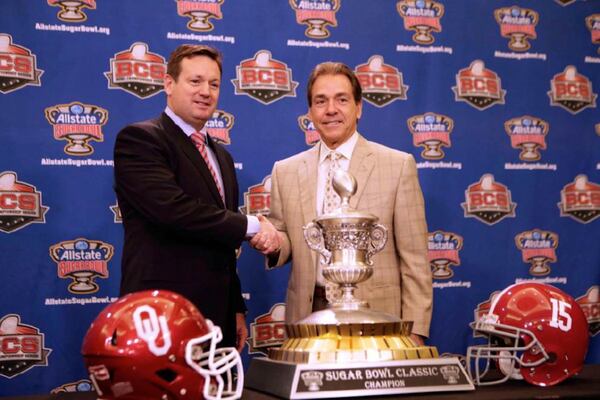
(178, 195)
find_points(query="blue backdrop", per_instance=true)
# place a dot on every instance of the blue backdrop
(497, 101)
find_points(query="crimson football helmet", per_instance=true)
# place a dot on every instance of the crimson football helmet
(536, 332)
(157, 345)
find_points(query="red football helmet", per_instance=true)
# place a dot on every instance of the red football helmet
(157, 345)
(536, 332)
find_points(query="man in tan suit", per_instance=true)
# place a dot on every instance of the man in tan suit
(388, 187)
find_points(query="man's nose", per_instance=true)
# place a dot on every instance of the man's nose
(204, 88)
(330, 107)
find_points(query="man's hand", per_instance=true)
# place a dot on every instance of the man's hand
(267, 240)
(241, 331)
(417, 339)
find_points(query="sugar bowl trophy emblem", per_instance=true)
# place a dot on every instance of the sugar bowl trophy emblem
(348, 349)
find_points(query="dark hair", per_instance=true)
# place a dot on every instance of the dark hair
(333, 68)
(188, 51)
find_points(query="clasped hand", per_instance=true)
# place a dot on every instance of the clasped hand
(267, 240)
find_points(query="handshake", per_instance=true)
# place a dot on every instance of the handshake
(267, 240)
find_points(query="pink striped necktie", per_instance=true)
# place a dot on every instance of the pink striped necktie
(200, 141)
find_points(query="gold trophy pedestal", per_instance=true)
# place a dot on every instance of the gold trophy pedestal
(349, 350)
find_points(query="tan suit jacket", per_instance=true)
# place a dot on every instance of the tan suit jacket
(388, 187)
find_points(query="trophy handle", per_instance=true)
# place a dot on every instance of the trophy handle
(378, 236)
(314, 238)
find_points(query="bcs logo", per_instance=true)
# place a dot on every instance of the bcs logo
(71, 10)
(82, 260)
(431, 131)
(117, 213)
(593, 24)
(311, 135)
(538, 248)
(580, 200)
(18, 66)
(443, 248)
(21, 347)
(421, 16)
(518, 25)
(268, 330)
(381, 83)
(257, 200)
(219, 125)
(137, 71)
(478, 86)
(488, 201)
(571, 91)
(199, 12)
(316, 14)
(20, 204)
(590, 304)
(77, 123)
(527, 134)
(264, 78)
(482, 309)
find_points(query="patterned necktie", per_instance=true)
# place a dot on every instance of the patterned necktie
(200, 141)
(331, 200)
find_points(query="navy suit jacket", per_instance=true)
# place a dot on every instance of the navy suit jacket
(178, 233)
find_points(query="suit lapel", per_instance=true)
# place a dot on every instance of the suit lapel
(185, 144)
(307, 179)
(361, 166)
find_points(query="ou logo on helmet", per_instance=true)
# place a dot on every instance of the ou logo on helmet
(148, 326)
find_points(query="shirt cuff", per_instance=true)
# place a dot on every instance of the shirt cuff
(253, 226)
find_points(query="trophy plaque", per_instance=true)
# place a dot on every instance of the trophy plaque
(348, 349)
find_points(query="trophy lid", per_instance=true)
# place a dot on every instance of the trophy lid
(345, 186)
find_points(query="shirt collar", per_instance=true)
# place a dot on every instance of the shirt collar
(345, 148)
(185, 127)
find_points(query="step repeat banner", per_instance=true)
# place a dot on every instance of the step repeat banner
(497, 101)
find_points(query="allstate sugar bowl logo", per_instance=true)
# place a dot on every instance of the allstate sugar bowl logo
(571, 91)
(443, 248)
(20, 203)
(77, 123)
(518, 25)
(381, 83)
(82, 260)
(200, 12)
(317, 15)
(432, 132)
(137, 71)
(72, 10)
(219, 125)
(538, 248)
(527, 134)
(488, 201)
(18, 66)
(478, 86)
(593, 24)
(423, 17)
(580, 200)
(264, 79)
(22, 347)
(311, 135)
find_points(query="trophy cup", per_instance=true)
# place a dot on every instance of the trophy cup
(349, 349)
(71, 11)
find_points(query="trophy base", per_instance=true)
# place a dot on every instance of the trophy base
(314, 381)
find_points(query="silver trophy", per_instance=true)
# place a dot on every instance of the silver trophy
(348, 349)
